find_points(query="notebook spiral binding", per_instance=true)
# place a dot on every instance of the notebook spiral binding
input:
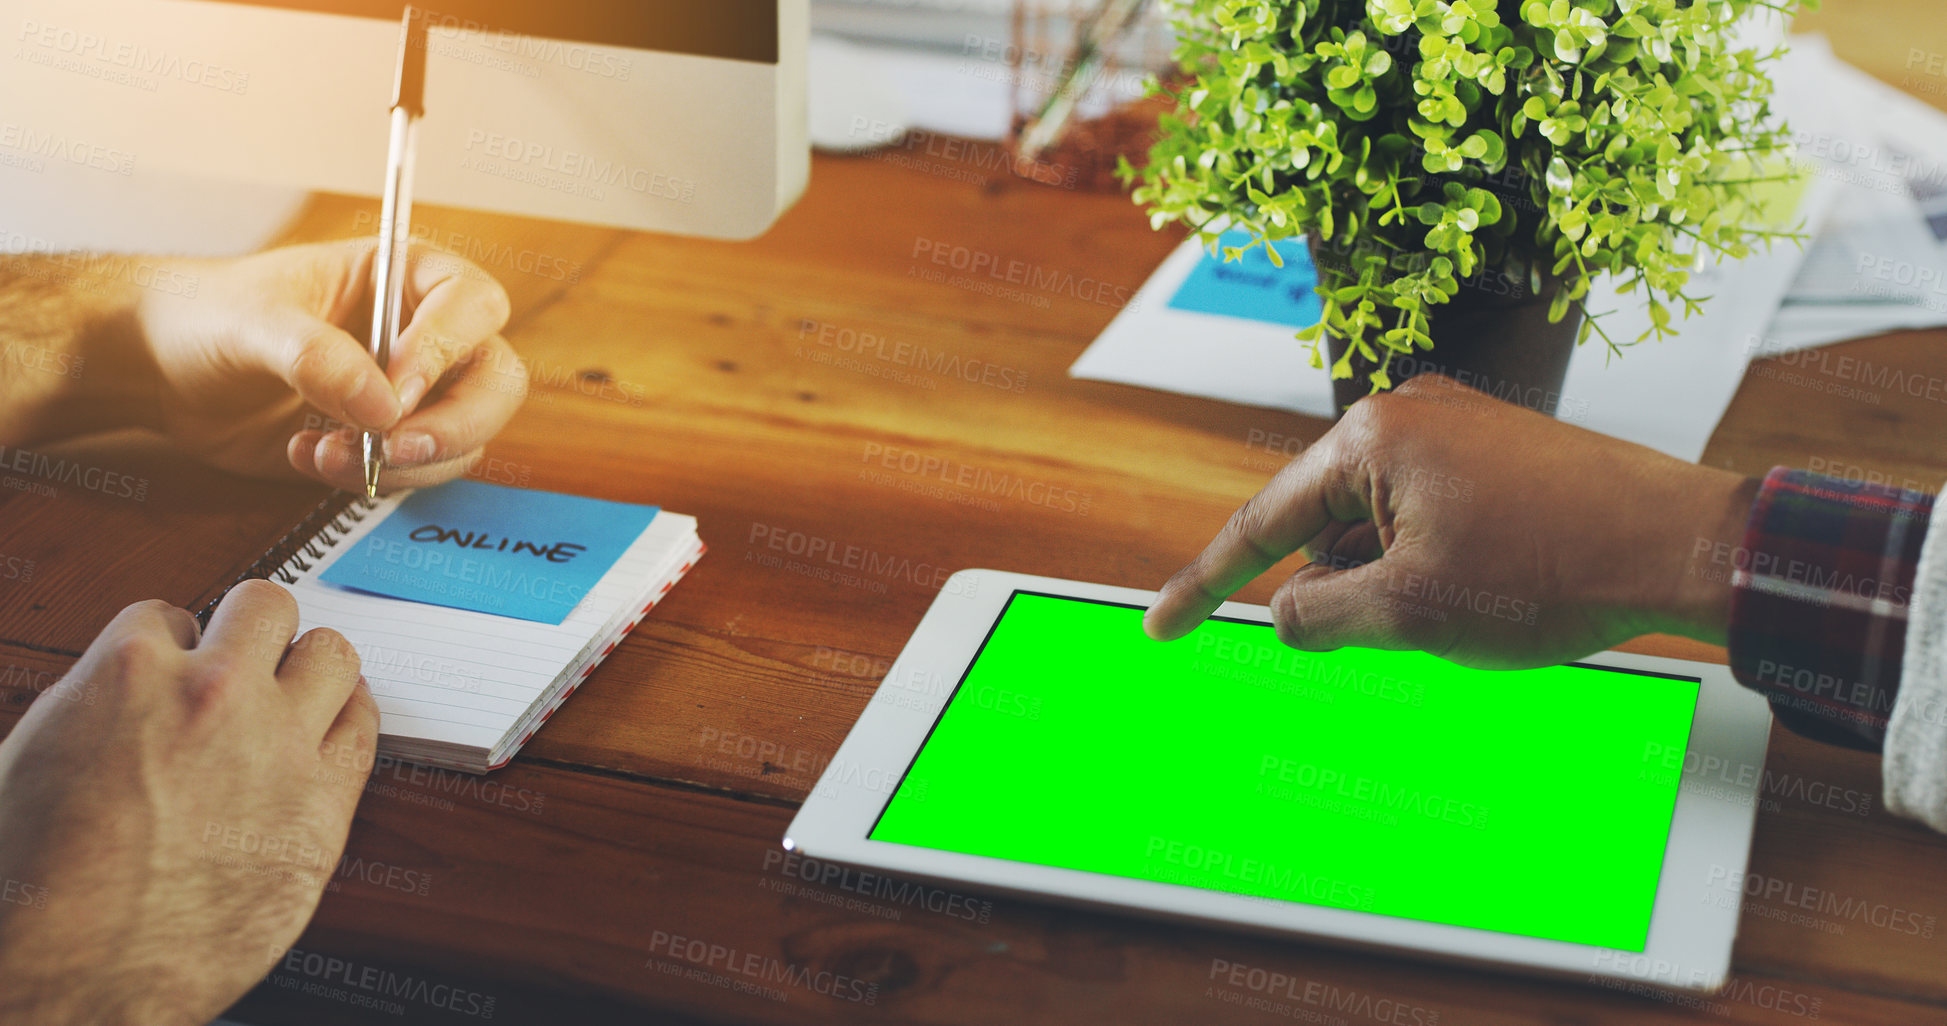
(302, 546)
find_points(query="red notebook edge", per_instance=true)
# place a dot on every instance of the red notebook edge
(604, 648)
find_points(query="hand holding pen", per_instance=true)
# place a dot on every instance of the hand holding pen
(260, 368)
(260, 365)
(433, 333)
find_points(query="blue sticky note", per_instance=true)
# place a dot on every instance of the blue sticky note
(1253, 287)
(508, 551)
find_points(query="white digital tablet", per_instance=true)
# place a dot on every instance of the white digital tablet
(1580, 819)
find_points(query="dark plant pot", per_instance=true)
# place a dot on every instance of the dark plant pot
(1493, 336)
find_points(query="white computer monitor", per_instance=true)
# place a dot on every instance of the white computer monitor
(658, 115)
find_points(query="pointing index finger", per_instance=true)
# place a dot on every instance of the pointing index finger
(1308, 494)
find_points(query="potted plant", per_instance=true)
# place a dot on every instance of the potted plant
(1463, 170)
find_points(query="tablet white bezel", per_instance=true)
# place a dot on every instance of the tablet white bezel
(1692, 925)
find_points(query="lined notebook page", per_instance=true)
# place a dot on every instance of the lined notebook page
(454, 676)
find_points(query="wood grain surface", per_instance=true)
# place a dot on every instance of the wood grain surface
(727, 381)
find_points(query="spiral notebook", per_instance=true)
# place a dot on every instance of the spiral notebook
(459, 686)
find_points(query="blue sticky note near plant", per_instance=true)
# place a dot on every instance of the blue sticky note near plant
(507, 551)
(1253, 287)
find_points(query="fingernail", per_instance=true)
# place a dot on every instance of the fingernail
(373, 404)
(411, 391)
(334, 450)
(410, 447)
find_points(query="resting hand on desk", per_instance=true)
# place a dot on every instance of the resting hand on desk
(1565, 541)
(173, 809)
(257, 364)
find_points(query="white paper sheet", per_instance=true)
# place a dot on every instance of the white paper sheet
(1880, 260)
(1666, 395)
(1669, 395)
(1234, 359)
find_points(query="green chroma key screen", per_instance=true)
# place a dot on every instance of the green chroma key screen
(1396, 783)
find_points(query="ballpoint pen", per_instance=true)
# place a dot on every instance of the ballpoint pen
(395, 218)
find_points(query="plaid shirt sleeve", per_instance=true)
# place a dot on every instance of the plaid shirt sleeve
(1819, 602)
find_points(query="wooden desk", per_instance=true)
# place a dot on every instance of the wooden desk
(712, 379)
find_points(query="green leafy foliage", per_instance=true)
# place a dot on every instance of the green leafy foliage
(1423, 142)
